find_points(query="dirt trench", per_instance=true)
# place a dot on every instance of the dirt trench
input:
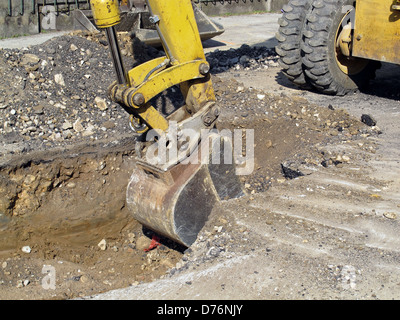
(68, 213)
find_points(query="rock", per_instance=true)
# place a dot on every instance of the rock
(102, 244)
(77, 126)
(84, 279)
(29, 179)
(167, 263)
(26, 249)
(67, 125)
(338, 158)
(131, 237)
(50, 50)
(368, 120)
(67, 134)
(30, 62)
(244, 60)
(59, 79)
(108, 124)
(345, 158)
(260, 96)
(38, 109)
(89, 130)
(100, 103)
(143, 242)
(289, 173)
(213, 252)
(268, 144)
(71, 185)
(29, 58)
(390, 215)
(73, 47)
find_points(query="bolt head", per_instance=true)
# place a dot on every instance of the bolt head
(204, 68)
(138, 99)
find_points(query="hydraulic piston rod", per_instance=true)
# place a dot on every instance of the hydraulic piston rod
(106, 14)
(116, 55)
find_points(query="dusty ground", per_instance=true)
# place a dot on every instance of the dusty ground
(320, 219)
(330, 234)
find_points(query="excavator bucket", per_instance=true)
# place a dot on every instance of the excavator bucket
(176, 203)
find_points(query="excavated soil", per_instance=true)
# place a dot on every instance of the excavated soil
(67, 152)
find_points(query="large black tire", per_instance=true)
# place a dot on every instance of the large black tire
(320, 55)
(289, 36)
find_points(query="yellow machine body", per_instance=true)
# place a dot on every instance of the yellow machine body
(106, 13)
(377, 30)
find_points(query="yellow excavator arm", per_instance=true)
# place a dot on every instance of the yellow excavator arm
(172, 196)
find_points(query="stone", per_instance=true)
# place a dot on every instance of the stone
(29, 179)
(244, 60)
(67, 125)
(26, 249)
(390, 215)
(368, 120)
(38, 109)
(345, 158)
(102, 244)
(108, 124)
(30, 62)
(143, 242)
(77, 125)
(89, 130)
(59, 79)
(100, 103)
(71, 185)
(29, 58)
(131, 237)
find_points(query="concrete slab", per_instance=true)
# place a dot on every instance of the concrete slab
(26, 41)
(255, 29)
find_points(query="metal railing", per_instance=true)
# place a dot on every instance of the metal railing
(224, 1)
(34, 4)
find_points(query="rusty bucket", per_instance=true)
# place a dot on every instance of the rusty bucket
(176, 203)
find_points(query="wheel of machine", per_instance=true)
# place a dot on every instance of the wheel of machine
(326, 49)
(289, 35)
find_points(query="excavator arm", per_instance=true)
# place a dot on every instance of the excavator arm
(176, 181)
